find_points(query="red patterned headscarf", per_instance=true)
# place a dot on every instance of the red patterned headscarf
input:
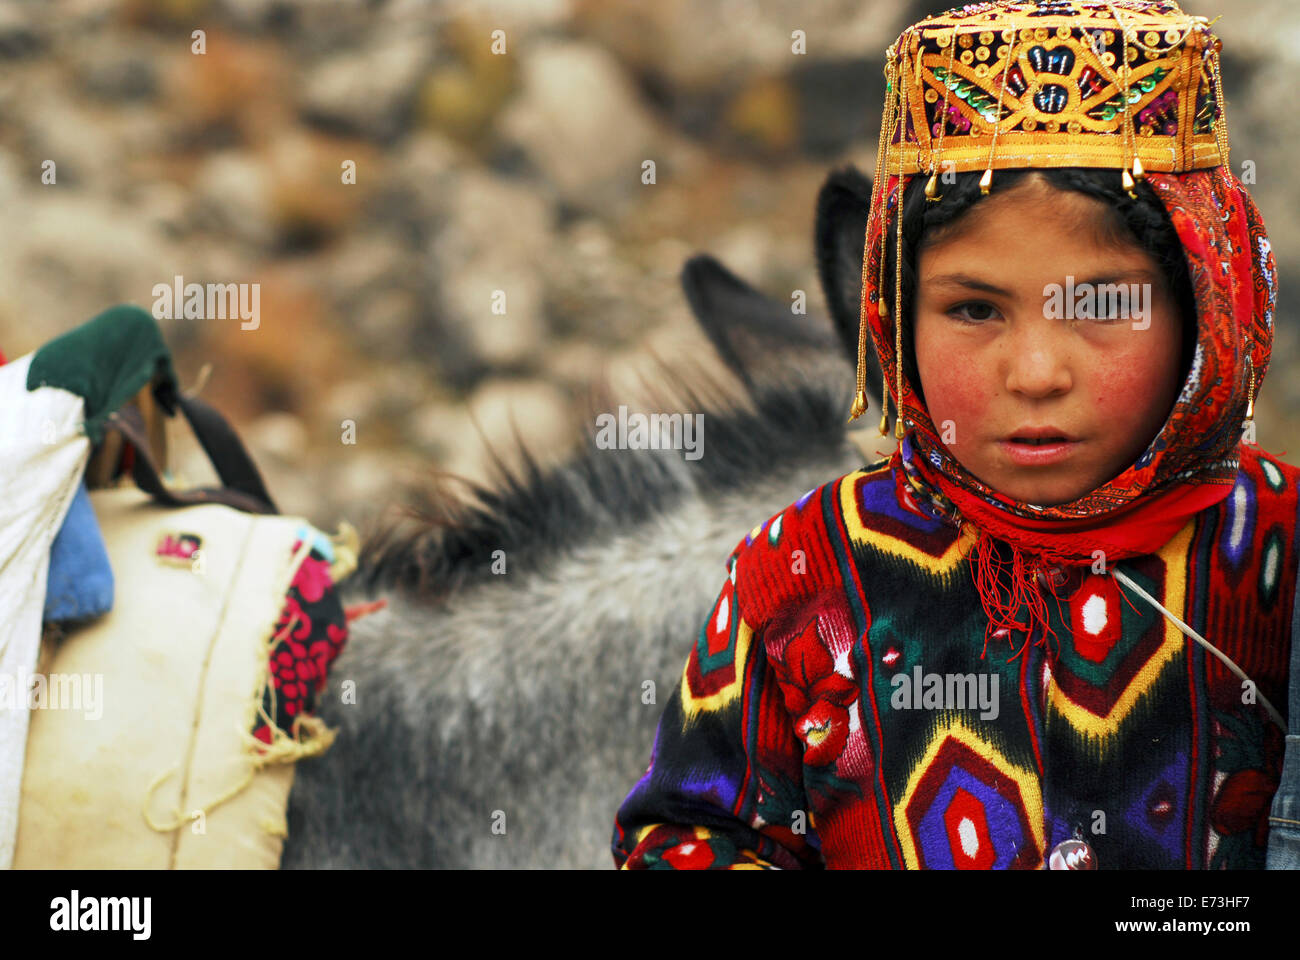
(1191, 463)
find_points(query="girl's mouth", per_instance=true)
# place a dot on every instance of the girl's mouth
(1037, 451)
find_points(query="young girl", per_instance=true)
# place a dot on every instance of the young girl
(1052, 630)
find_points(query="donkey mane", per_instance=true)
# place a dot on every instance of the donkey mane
(446, 540)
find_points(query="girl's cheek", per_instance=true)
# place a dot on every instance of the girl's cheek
(957, 388)
(1123, 385)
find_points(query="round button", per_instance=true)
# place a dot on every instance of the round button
(1072, 855)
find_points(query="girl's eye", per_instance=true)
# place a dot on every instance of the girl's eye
(973, 312)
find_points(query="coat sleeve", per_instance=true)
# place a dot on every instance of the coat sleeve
(724, 788)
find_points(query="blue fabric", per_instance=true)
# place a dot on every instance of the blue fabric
(319, 541)
(81, 581)
(1284, 816)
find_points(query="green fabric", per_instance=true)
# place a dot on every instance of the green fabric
(106, 361)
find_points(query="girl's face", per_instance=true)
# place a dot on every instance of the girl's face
(1002, 361)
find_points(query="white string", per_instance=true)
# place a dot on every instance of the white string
(1237, 671)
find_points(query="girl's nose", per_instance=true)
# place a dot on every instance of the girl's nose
(1038, 363)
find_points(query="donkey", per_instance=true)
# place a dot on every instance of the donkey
(500, 718)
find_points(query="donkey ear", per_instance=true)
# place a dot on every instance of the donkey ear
(840, 236)
(760, 339)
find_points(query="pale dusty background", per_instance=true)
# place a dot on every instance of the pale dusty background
(475, 172)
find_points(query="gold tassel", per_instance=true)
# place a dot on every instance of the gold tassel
(986, 181)
(1128, 184)
(859, 406)
(932, 188)
(879, 208)
(898, 318)
(1138, 172)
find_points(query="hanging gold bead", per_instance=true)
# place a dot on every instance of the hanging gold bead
(1138, 172)
(932, 188)
(1127, 180)
(986, 181)
(898, 429)
(884, 307)
(859, 406)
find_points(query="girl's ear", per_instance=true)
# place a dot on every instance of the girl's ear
(839, 238)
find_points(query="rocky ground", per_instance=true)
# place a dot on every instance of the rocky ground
(476, 172)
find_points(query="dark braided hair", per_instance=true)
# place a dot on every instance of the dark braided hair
(1143, 221)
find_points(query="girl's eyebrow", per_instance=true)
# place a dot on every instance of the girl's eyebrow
(969, 282)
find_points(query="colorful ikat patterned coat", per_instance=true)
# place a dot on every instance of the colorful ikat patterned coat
(789, 742)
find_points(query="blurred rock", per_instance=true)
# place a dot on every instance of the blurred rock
(1260, 29)
(576, 363)
(281, 435)
(366, 264)
(593, 284)
(233, 94)
(520, 14)
(403, 388)
(744, 249)
(369, 92)
(162, 13)
(251, 14)
(420, 180)
(310, 203)
(23, 30)
(592, 153)
(233, 194)
(12, 183)
(163, 205)
(666, 257)
(75, 15)
(364, 476)
(765, 113)
(114, 69)
(78, 255)
(472, 78)
(351, 400)
(440, 428)
(496, 240)
(721, 39)
(508, 338)
(81, 141)
(1265, 137)
(385, 323)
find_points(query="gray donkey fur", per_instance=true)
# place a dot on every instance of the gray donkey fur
(515, 700)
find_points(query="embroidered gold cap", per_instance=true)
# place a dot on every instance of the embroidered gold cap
(1053, 84)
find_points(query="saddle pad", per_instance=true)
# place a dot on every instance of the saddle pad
(171, 682)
